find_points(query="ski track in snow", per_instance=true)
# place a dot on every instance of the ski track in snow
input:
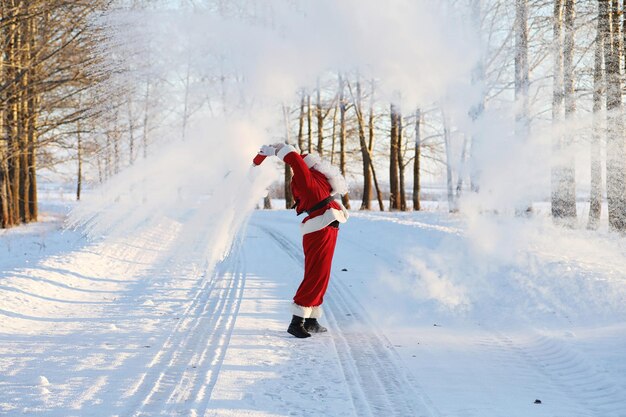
(565, 372)
(188, 364)
(534, 362)
(377, 382)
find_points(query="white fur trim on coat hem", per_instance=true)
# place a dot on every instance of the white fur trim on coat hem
(316, 312)
(300, 311)
(320, 222)
(284, 151)
(307, 312)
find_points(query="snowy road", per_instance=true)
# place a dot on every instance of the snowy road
(146, 325)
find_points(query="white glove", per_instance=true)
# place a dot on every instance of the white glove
(268, 150)
(278, 146)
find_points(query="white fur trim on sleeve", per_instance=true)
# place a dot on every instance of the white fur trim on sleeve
(284, 151)
(311, 160)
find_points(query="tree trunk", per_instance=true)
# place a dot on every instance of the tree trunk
(370, 146)
(79, 156)
(146, 119)
(569, 169)
(334, 131)
(416, 161)
(615, 169)
(367, 174)
(557, 203)
(320, 120)
(13, 160)
(301, 122)
(309, 122)
(4, 198)
(288, 174)
(24, 118)
(564, 169)
(4, 175)
(32, 135)
(476, 112)
(368, 156)
(116, 145)
(595, 198)
(107, 157)
(5, 219)
(401, 165)
(186, 101)
(522, 115)
(131, 132)
(452, 204)
(342, 136)
(623, 39)
(394, 186)
(463, 169)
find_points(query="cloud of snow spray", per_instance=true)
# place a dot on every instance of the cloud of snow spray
(419, 48)
(410, 45)
(509, 268)
(205, 183)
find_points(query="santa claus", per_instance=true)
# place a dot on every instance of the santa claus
(316, 186)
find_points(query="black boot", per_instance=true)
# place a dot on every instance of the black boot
(312, 326)
(297, 329)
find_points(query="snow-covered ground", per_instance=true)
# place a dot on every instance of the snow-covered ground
(429, 315)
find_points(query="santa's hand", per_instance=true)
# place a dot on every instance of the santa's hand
(267, 150)
(278, 146)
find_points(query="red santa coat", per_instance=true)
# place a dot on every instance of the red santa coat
(310, 187)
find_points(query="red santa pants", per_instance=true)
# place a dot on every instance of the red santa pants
(319, 248)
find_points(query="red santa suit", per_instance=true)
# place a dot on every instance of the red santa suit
(313, 188)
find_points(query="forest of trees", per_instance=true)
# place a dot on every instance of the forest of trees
(585, 41)
(71, 92)
(49, 60)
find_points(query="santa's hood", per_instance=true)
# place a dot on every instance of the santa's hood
(331, 172)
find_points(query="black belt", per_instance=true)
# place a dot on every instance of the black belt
(320, 205)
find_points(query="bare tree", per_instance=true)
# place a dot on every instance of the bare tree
(595, 205)
(416, 160)
(301, 121)
(309, 123)
(401, 165)
(568, 189)
(522, 81)
(289, 202)
(615, 169)
(343, 105)
(394, 141)
(557, 111)
(49, 57)
(447, 138)
(319, 116)
(365, 150)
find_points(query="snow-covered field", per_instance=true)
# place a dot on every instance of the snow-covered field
(429, 315)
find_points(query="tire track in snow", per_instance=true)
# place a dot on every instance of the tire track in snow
(372, 368)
